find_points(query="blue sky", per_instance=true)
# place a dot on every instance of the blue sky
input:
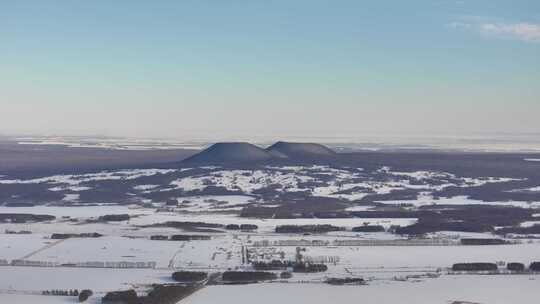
(167, 68)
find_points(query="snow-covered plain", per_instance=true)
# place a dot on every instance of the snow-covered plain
(78, 179)
(361, 258)
(16, 246)
(424, 200)
(77, 211)
(245, 180)
(265, 225)
(112, 143)
(110, 248)
(31, 298)
(445, 290)
(326, 181)
(343, 183)
(37, 279)
(210, 203)
(129, 240)
(219, 254)
(386, 262)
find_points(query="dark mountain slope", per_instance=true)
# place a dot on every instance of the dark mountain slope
(230, 152)
(300, 150)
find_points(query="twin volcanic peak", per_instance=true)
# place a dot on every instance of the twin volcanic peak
(243, 152)
(230, 152)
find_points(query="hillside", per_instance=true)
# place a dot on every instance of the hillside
(242, 152)
(230, 152)
(295, 150)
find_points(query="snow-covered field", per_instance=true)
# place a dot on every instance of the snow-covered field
(220, 253)
(265, 225)
(361, 258)
(82, 178)
(33, 299)
(36, 279)
(386, 262)
(16, 246)
(344, 183)
(210, 203)
(110, 248)
(349, 183)
(424, 200)
(444, 290)
(78, 211)
(65, 226)
(191, 209)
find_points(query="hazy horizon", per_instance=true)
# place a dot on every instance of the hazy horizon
(487, 142)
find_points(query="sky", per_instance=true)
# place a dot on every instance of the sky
(249, 67)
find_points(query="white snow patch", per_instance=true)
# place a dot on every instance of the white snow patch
(70, 188)
(359, 208)
(424, 200)
(189, 183)
(71, 197)
(214, 202)
(145, 187)
(77, 211)
(78, 179)
(529, 223)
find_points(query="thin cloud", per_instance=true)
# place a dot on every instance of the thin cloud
(521, 31)
(459, 25)
(528, 32)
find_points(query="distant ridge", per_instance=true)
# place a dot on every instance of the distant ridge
(294, 150)
(243, 152)
(230, 152)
